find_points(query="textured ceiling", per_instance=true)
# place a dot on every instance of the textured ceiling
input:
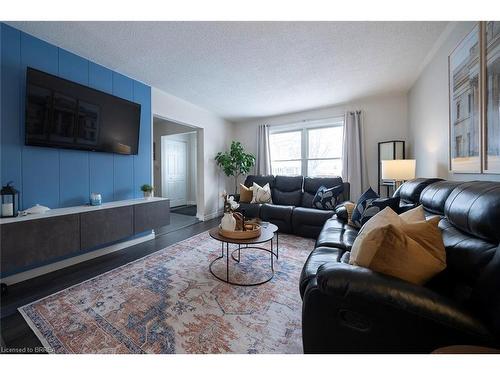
(241, 70)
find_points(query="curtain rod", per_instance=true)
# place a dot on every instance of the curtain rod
(306, 120)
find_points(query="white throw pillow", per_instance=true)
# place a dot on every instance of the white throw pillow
(261, 194)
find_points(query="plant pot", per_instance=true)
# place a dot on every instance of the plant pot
(148, 194)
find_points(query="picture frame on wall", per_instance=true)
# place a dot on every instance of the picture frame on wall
(491, 90)
(465, 106)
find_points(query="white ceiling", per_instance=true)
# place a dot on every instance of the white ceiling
(242, 70)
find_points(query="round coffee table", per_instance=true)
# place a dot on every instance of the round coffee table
(266, 235)
(274, 228)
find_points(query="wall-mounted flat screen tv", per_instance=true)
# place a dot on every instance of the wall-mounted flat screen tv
(66, 114)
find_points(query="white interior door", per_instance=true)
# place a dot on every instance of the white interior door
(174, 170)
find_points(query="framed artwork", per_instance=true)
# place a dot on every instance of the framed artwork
(491, 129)
(464, 73)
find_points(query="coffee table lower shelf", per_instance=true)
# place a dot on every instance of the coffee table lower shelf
(267, 235)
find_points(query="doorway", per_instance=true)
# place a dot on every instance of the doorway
(175, 158)
(174, 169)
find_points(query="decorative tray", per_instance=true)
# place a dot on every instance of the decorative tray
(251, 231)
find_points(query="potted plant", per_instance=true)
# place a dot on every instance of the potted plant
(147, 190)
(235, 162)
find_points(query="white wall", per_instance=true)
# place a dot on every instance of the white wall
(385, 118)
(214, 135)
(428, 113)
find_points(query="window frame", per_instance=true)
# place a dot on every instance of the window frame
(304, 128)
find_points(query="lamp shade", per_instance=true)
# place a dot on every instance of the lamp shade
(398, 170)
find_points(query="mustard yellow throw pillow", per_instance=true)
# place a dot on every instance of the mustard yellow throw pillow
(409, 250)
(415, 214)
(246, 194)
(349, 207)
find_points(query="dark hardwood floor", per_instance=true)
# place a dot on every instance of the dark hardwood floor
(16, 332)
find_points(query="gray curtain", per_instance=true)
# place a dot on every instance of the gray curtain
(263, 158)
(353, 155)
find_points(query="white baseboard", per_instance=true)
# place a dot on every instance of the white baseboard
(191, 203)
(22, 276)
(212, 215)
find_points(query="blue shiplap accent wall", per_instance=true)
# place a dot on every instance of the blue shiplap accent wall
(57, 177)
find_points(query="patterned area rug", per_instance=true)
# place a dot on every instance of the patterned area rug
(168, 302)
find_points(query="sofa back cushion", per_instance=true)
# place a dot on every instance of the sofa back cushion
(410, 191)
(287, 190)
(259, 180)
(474, 208)
(434, 196)
(312, 184)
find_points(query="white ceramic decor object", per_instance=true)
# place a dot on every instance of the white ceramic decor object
(228, 222)
(37, 209)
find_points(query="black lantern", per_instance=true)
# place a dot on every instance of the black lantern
(10, 200)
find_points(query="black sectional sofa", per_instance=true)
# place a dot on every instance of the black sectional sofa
(349, 309)
(292, 197)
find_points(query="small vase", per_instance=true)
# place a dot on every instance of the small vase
(228, 222)
(148, 194)
(95, 199)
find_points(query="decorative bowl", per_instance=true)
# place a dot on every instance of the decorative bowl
(252, 231)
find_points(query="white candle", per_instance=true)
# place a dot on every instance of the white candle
(7, 209)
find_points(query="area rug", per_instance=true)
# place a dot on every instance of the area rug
(169, 302)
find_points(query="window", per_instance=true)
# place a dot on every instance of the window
(314, 150)
(469, 145)
(458, 146)
(458, 110)
(286, 153)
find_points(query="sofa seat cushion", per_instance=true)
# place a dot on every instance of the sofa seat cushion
(278, 215)
(307, 222)
(317, 258)
(251, 210)
(335, 233)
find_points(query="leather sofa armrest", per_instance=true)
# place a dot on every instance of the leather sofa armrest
(341, 213)
(350, 309)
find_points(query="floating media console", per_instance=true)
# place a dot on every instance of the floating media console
(37, 241)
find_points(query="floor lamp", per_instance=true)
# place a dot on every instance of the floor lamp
(399, 170)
